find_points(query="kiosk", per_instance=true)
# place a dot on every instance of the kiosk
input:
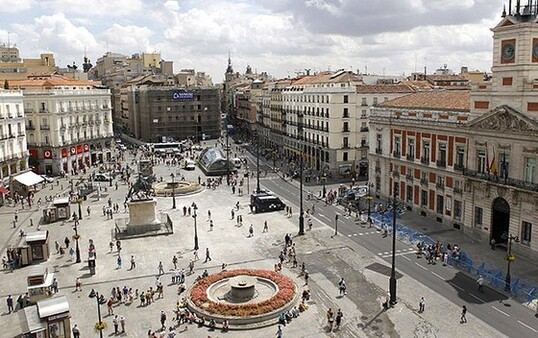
(50, 318)
(36, 247)
(39, 282)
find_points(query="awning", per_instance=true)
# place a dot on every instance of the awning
(29, 178)
(30, 321)
(4, 190)
(52, 306)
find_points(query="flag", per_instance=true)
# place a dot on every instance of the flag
(493, 166)
(504, 167)
(487, 159)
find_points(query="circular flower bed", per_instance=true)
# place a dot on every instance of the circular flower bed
(285, 294)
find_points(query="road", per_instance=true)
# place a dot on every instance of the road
(496, 309)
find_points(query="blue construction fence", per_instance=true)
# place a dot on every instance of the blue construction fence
(493, 276)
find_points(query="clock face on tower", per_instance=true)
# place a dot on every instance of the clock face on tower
(508, 51)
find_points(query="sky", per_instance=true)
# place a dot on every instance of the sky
(280, 37)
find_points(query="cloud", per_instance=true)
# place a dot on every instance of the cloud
(107, 8)
(15, 6)
(127, 39)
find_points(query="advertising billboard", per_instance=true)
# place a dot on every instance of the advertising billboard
(183, 96)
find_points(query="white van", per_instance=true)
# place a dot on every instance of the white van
(237, 162)
(190, 165)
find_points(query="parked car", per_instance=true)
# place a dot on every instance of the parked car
(190, 165)
(47, 178)
(101, 178)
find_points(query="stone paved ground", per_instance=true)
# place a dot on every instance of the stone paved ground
(326, 258)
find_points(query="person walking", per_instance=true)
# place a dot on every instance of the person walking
(265, 227)
(116, 323)
(251, 231)
(207, 256)
(209, 215)
(109, 305)
(210, 225)
(78, 284)
(133, 262)
(122, 323)
(163, 320)
(463, 319)
(76, 331)
(174, 261)
(9, 302)
(279, 331)
(67, 241)
(480, 282)
(196, 258)
(161, 269)
(342, 287)
(338, 319)
(118, 262)
(421, 304)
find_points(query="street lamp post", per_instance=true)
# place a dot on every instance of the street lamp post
(323, 179)
(79, 202)
(336, 224)
(257, 164)
(100, 299)
(369, 198)
(173, 190)
(77, 249)
(392, 280)
(509, 258)
(195, 207)
(301, 211)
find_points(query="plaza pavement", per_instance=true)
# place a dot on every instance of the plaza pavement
(326, 259)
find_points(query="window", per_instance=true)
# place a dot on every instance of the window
(411, 148)
(440, 181)
(440, 204)
(409, 196)
(530, 169)
(397, 145)
(457, 210)
(375, 101)
(526, 231)
(346, 112)
(477, 216)
(460, 156)
(442, 153)
(363, 103)
(345, 156)
(505, 165)
(363, 113)
(379, 143)
(426, 150)
(346, 99)
(346, 127)
(423, 198)
(345, 142)
(481, 161)
(377, 183)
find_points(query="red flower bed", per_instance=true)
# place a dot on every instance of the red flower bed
(286, 292)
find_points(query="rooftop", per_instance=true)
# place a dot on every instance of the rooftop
(385, 88)
(435, 100)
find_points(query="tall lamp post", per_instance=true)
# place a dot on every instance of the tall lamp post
(247, 175)
(76, 237)
(301, 211)
(173, 190)
(79, 202)
(100, 299)
(257, 164)
(510, 259)
(392, 280)
(195, 207)
(369, 198)
(323, 179)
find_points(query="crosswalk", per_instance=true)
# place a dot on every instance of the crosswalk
(384, 254)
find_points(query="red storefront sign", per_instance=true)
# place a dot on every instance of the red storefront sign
(33, 153)
(79, 149)
(73, 150)
(47, 153)
(86, 148)
(64, 152)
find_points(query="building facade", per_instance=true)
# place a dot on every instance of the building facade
(161, 112)
(12, 67)
(13, 148)
(478, 169)
(68, 123)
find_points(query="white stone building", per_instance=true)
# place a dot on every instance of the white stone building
(13, 149)
(68, 123)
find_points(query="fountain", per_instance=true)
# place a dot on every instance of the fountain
(243, 297)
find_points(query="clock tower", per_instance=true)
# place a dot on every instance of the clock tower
(515, 63)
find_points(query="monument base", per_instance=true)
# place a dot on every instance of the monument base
(143, 221)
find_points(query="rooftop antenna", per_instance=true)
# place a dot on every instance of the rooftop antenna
(518, 5)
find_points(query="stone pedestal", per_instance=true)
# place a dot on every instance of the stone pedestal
(142, 217)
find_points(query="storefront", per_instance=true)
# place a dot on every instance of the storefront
(59, 209)
(48, 319)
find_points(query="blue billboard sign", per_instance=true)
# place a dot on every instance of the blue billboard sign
(182, 96)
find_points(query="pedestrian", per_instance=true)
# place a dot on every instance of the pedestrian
(109, 305)
(111, 245)
(118, 261)
(207, 256)
(184, 211)
(57, 246)
(9, 302)
(338, 319)
(88, 211)
(196, 255)
(265, 227)
(279, 331)
(161, 269)
(67, 241)
(54, 285)
(163, 320)
(233, 214)
(421, 304)
(116, 323)
(211, 225)
(122, 323)
(78, 284)
(133, 262)
(76, 331)
(174, 261)
(305, 277)
(72, 253)
(209, 215)
(480, 282)
(342, 287)
(463, 319)
(191, 267)
(251, 231)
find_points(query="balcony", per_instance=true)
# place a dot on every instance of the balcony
(28, 111)
(458, 166)
(440, 186)
(441, 163)
(410, 157)
(345, 146)
(396, 153)
(43, 111)
(425, 160)
(345, 130)
(364, 129)
(378, 151)
(457, 190)
(44, 127)
(377, 170)
(424, 181)
(512, 182)
(20, 135)
(409, 177)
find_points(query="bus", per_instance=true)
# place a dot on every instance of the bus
(167, 148)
